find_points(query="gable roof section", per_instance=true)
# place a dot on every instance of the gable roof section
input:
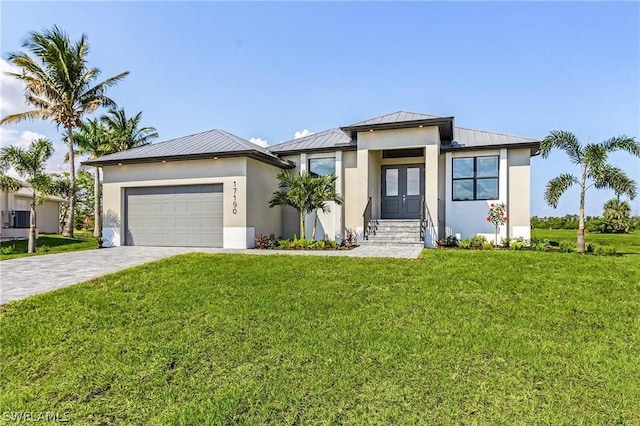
(332, 139)
(200, 145)
(465, 138)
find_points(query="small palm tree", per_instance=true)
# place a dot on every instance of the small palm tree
(618, 214)
(126, 133)
(61, 87)
(594, 170)
(296, 191)
(30, 165)
(323, 192)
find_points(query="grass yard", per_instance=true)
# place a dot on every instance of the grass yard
(626, 243)
(83, 240)
(458, 337)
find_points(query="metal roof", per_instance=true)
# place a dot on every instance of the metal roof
(212, 142)
(395, 117)
(327, 139)
(472, 138)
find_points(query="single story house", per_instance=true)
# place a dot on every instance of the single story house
(404, 177)
(15, 208)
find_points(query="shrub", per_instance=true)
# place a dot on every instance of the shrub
(450, 241)
(349, 239)
(465, 244)
(7, 249)
(505, 242)
(487, 246)
(567, 247)
(517, 245)
(265, 242)
(42, 249)
(284, 243)
(540, 245)
(478, 241)
(589, 247)
(610, 251)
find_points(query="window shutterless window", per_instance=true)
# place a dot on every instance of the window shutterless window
(322, 166)
(475, 178)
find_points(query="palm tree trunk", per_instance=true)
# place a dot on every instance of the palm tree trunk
(68, 232)
(32, 225)
(315, 225)
(580, 242)
(303, 233)
(97, 223)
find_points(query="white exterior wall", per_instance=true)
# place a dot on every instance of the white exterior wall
(47, 213)
(466, 219)
(238, 231)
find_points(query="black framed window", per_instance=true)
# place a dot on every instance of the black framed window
(322, 166)
(475, 178)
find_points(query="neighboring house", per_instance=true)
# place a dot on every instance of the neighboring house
(414, 175)
(16, 210)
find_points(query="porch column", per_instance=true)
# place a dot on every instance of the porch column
(303, 163)
(338, 214)
(363, 188)
(432, 155)
(503, 171)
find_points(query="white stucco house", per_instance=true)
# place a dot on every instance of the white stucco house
(15, 209)
(404, 177)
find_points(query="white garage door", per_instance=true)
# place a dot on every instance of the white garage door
(174, 216)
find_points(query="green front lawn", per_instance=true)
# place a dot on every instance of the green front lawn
(83, 240)
(458, 337)
(625, 243)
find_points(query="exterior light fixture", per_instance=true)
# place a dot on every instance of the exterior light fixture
(371, 130)
(164, 161)
(119, 164)
(215, 158)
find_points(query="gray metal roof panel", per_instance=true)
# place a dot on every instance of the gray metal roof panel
(212, 141)
(332, 138)
(478, 138)
(395, 117)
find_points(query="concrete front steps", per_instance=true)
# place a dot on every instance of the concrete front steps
(394, 232)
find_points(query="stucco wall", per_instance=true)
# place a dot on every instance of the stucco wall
(262, 182)
(47, 214)
(519, 207)
(231, 172)
(468, 218)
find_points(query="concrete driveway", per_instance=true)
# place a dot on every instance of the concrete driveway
(24, 277)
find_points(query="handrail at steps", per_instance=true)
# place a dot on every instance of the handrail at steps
(423, 219)
(366, 218)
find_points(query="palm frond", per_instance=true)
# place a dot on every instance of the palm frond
(622, 143)
(611, 177)
(558, 186)
(563, 140)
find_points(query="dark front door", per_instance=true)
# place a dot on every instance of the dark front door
(402, 191)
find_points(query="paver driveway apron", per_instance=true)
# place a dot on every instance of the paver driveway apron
(24, 277)
(27, 276)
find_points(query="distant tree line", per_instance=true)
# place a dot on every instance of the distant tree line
(616, 219)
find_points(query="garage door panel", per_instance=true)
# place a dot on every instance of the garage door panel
(174, 216)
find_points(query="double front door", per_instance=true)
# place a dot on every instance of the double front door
(402, 191)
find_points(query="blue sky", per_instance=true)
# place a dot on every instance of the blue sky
(268, 70)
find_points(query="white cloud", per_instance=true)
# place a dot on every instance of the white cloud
(259, 141)
(12, 90)
(302, 133)
(25, 137)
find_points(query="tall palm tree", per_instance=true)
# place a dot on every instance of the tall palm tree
(61, 87)
(30, 164)
(324, 191)
(93, 140)
(594, 170)
(126, 133)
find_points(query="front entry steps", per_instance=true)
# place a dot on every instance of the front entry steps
(393, 232)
